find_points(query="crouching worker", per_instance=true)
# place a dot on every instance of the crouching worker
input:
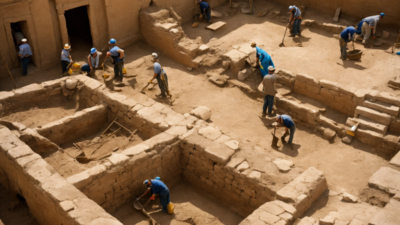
(287, 121)
(205, 10)
(93, 62)
(158, 188)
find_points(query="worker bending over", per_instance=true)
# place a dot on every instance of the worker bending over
(118, 56)
(25, 54)
(367, 26)
(205, 10)
(269, 91)
(295, 20)
(93, 62)
(160, 75)
(346, 36)
(158, 188)
(287, 121)
(66, 58)
(263, 60)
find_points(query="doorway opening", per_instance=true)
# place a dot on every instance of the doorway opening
(19, 31)
(78, 28)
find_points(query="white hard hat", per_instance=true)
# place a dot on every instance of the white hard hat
(155, 56)
(67, 46)
(24, 40)
(291, 7)
(271, 68)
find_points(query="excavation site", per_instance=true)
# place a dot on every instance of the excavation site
(199, 112)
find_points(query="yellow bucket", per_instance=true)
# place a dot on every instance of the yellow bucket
(170, 208)
(124, 70)
(70, 72)
(77, 66)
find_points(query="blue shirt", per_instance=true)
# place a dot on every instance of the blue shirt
(372, 20)
(203, 6)
(157, 186)
(115, 54)
(287, 121)
(157, 68)
(65, 55)
(296, 12)
(345, 33)
(261, 54)
(25, 50)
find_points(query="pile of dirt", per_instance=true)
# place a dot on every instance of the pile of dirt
(374, 197)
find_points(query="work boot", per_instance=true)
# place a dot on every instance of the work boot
(292, 35)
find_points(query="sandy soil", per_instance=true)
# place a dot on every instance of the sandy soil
(20, 215)
(39, 114)
(191, 207)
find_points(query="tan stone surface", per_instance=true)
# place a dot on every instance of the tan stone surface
(386, 179)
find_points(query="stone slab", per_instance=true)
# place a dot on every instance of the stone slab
(210, 132)
(388, 215)
(216, 26)
(336, 16)
(382, 107)
(283, 165)
(386, 179)
(135, 150)
(235, 56)
(219, 153)
(396, 160)
(372, 114)
(349, 198)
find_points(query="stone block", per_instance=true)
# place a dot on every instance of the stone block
(30, 91)
(160, 139)
(349, 198)
(283, 165)
(389, 215)
(177, 130)
(118, 159)
(329, 85)
(173, 120)
(386, 179)
(287, 207)
(80, 180)
(272, 208)
(388, 98)
(254, 175)
(307, 221)
(396, 160)
(356, 222)
(219, 153)
(313, 89)
(372, 95)
(326, 94)
(243, 166)
(369, 137)
(238, 60)
(5, 95)
(233, 163)
(347, 90)
(327, 220)
(67, 205)
(223, 138)
(20, 151)
(307, 79)
(201, 112)
(210, 132)
(151, 115)
(382, 107)
(374, 115)
(269, 218)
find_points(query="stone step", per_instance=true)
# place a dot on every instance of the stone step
(372, 114)
(367, 124)
(382, 107)
(396, 160)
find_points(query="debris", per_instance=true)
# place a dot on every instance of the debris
(262, 13)
(203, 48)
(327, 220)
(216, 26)
(243, 166)
(349, 198)
(242, 75)
(218, 79)
(189, 68)
(337, 14)
(201, 112)
(283, 165)
(276, 13)
(395, 83)
(216, 14)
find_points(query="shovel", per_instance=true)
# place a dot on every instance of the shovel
(139, 207)
(275, 139)
(284, 35)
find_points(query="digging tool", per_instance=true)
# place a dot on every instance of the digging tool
(196, 23)
(145, 88)
(165, 85)
(284, 35)
(275, 139)
(141, 208)
(373, 39)
(8, 69)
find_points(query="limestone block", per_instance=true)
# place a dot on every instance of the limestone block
(311, 183)
(39, 170)
(374, 115)
(203, 48)
(80, 180)
(235, 162)
(396, 160)
(92, 84)
(287, 207)
(67, 205)
(347, 90)
(97, 171)
(27, 159)
(349, 198)
(329, 134)
(268, 217)
(210, 132)
(151, 115)
(283, 164)
(243, 166)
(177, 130)
(356, 222)
(238, 60)
(232, 144)
(5, 95)
(219, 153)
(53, 83)
(299, 85)
(286, 216)
(173, 120)
(31, 91)
(329, 85)
(388, 98)
(313, 89)
(389, 215)
(254, 175)
(118, 159)
(160, 139)
(372, 95)
(60, 189)
(307, 79)
(201, 112)
(386, 179)
(127, 104)
(307, 221)
(369, 137)
(105, 221)
(223, 138)
(327, 220)
(359, 95)
(158, 106)
(20, 151)
(272, 208)
(382, 107)
(326, 94)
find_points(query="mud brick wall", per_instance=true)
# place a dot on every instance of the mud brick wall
(205, 166)
(275, 212)
(119, 179)
(51, 200)
(73, 127)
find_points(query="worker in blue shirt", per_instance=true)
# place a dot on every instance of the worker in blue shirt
(367, 26)
(66, 58)
(161, 76)
(295, 20)
(263, 60)
(25, 54)
(93, 62)
(205, 10)
(287, 121)
(118, 56)
(158, 188)
(346, 36)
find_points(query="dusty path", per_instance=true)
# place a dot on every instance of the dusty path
(191, 207)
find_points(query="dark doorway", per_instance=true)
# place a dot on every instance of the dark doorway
(20, 30)
(78, 28)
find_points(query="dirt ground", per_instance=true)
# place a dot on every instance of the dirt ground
(41, 113)
(19, 215)
(346, 167)
(191, 207)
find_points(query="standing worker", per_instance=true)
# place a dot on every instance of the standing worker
(93, 62)
(160, 75)
(295, 20)
(118, 56)
(263, 59)
(269, 91)
(205, 10)
(346, 36)
(158, 188)
(367, 26)
(25, 54)
(287, 121)
(66, 57)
